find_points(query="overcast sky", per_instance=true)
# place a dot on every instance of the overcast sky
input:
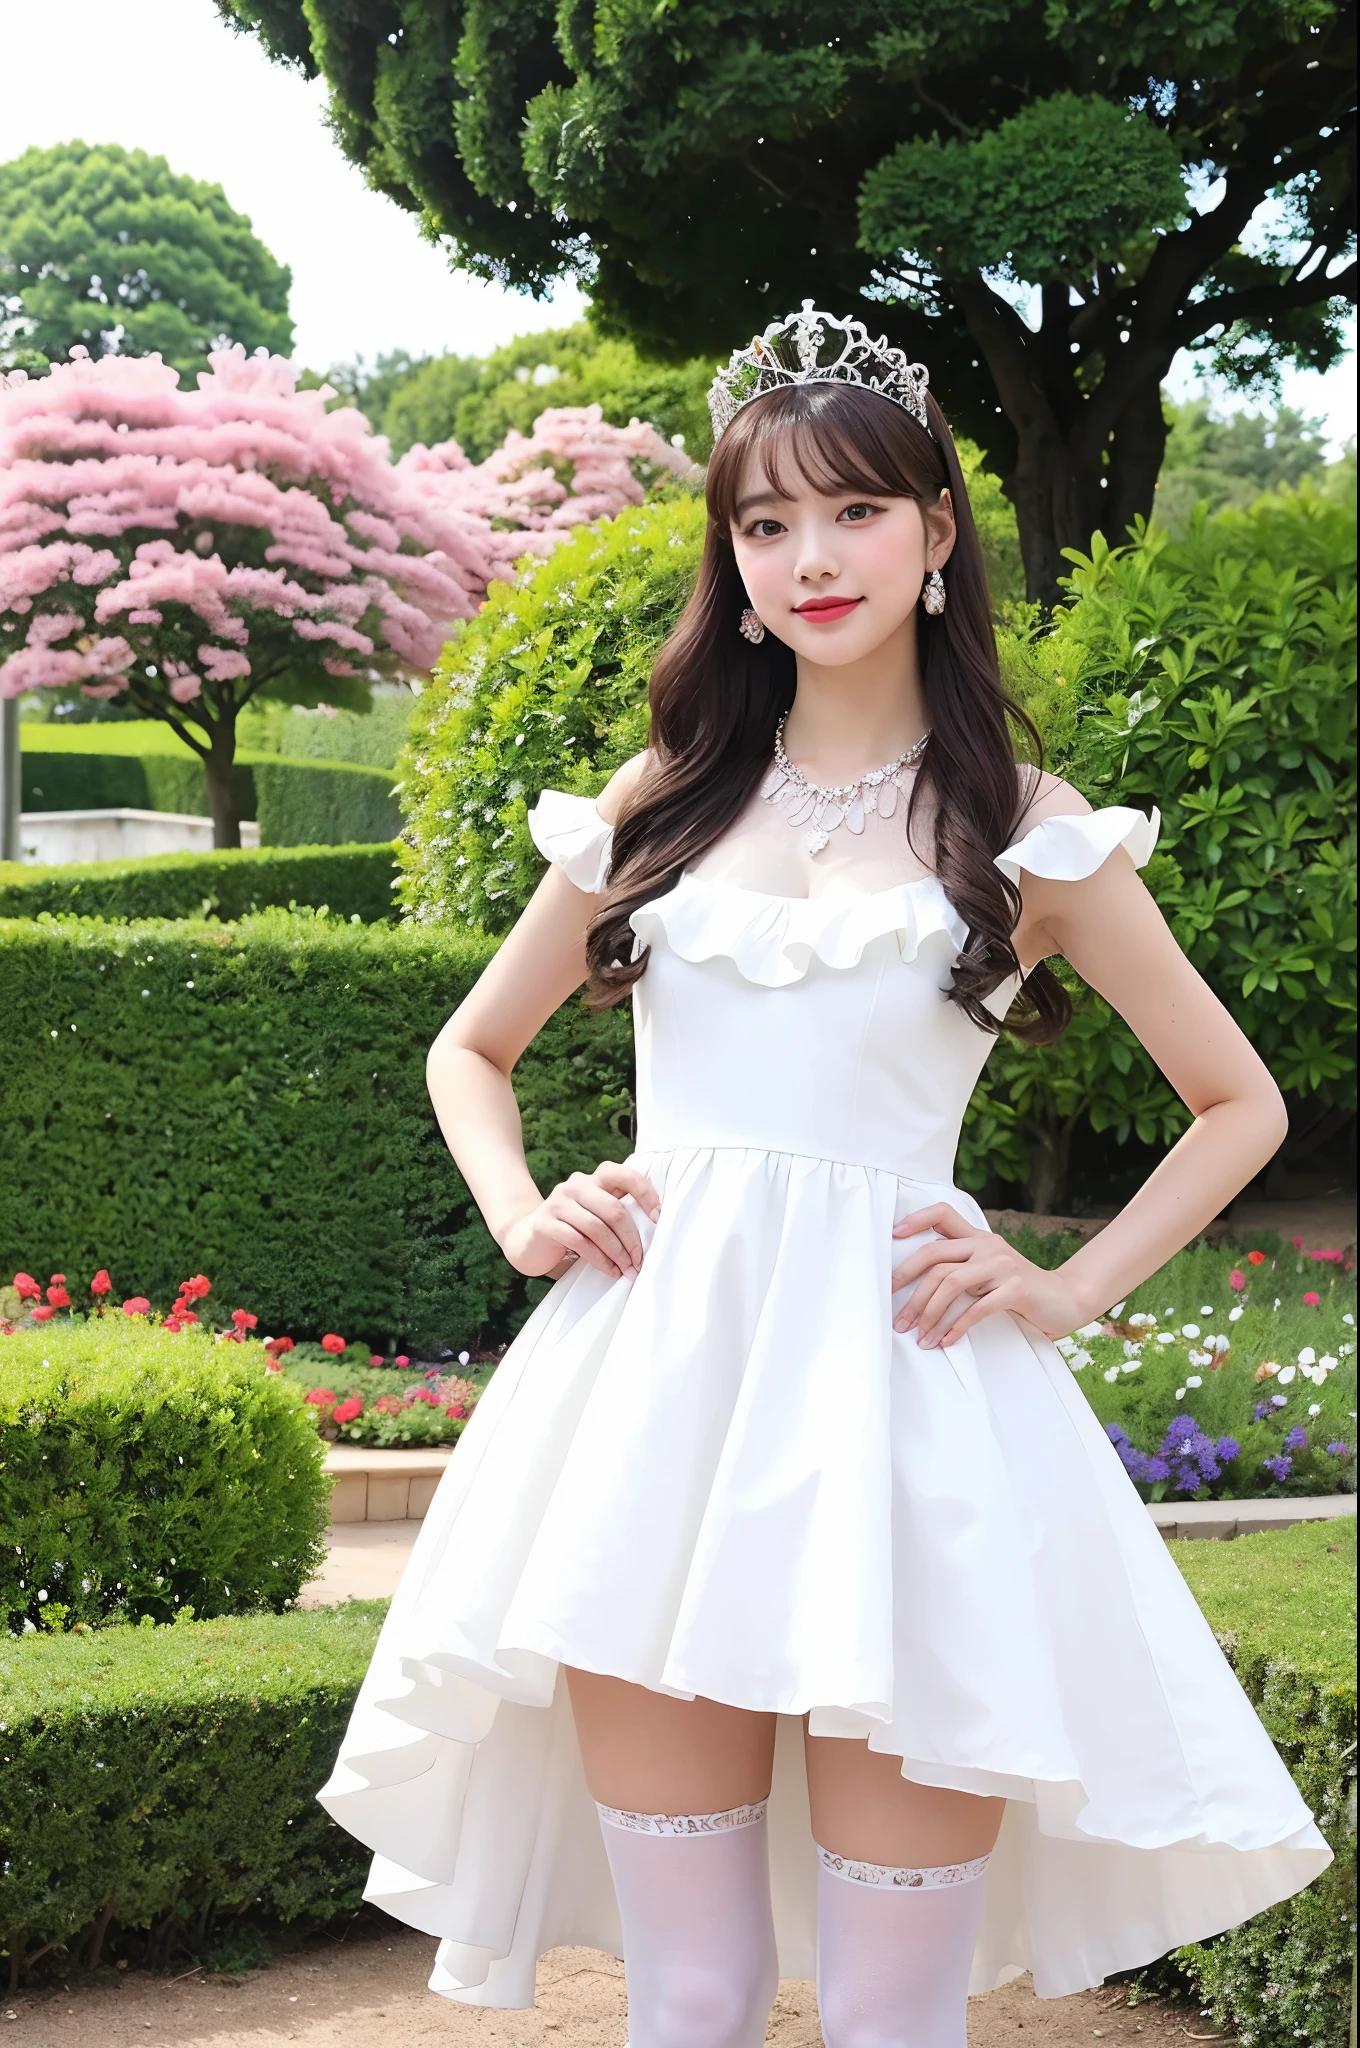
(168, 77)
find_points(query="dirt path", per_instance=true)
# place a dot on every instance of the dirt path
(373, 1995)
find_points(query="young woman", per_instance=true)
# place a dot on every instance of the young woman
(785, 1607)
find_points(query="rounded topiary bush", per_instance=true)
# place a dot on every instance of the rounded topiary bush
(546, 686)
(144, 1471)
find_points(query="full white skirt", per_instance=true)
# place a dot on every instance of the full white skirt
(730, 1477)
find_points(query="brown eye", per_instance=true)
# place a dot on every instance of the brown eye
(857, 513)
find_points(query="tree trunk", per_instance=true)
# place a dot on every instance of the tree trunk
(1049, 1160)
(217, 771)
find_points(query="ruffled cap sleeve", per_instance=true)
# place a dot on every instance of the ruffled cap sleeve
(569, 831)
(1071, 848)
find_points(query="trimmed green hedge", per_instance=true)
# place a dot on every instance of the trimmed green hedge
(157, 1782)
(143, 1470)
(249, 1101)
(351, 881)
(297, 803)
(1283, 1608)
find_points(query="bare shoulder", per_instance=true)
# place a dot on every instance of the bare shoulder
(1048, 796)
(622, 785)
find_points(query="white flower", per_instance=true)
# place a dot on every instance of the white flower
(1117, 1311)
(1165, 1337)
(1277, 1304)
(1201, 1358)
(1206, 1311)
(1349, 1319)
(1194, 1380)
(1131, 1364)
(1315, 1408)
(1307, 1356)
(1344, 1349)
(1140, 1321)
(1286, 1375)
(1327, 1362)
(1132, 1349)
(1091, 1330)
(1067, 1345)
(1189, 1329)
(1180, 1393)
(1236, 1314)
(1113, 1373)
(1078, 1359)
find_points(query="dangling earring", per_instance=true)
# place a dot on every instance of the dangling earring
(933, 595)
(751, 626)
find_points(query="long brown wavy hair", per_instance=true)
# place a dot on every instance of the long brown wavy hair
(716, 700)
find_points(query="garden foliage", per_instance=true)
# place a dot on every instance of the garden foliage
(1283, 1608)
(296, 802)
(143, 1470)
(350, 881)
(249, 1100)
(158, 1783)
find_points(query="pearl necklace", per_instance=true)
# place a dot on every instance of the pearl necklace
(848, 803)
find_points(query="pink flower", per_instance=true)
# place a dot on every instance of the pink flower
(42, 1314)
(349, 1410)
(137, 1305)
(401, 1359)
(26, 1287)
(243, 1319)
(195, 1289)
(101, 1283)
(1311, 1300)
(1237, 1278)
(172, 1322)
(375, 1358)
(330, 1342)
(58, 1297)
(319, 1397)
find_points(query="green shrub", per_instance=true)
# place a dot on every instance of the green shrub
(260, 1114)
(157, 1783)
(1283, 1608)
(372, 738)
(141, 765)
(142, 1470)
(351, 881)
(1214, 677)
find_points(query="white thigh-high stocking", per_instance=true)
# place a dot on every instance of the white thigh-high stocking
(698, 1934)
(894, 1952)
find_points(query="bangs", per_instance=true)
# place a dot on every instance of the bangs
(828, 438)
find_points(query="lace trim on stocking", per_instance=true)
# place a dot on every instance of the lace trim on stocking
(683, 1823)
(930, 1880)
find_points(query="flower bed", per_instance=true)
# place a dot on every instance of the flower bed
(1229, 1375)
(394, 1405)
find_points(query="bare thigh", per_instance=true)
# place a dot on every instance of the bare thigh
(648, 1753)
(863, 1807)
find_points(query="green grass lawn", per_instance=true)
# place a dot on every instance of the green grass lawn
(114, 736)
(1289, 1593)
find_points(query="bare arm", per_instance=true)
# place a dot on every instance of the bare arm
(468, 1073)
(1114, 935)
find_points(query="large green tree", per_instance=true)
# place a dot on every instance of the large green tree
(109, 249)
(1044, 199)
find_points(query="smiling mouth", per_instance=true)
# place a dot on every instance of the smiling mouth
(827, 609)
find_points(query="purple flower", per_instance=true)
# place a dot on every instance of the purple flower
(1339, 1450)
(1279, 1401)
(1228, 1448)
(1279, 1468)
(1297, 1439)
(1262, 1410)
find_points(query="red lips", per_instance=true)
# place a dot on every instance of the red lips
(825, 609)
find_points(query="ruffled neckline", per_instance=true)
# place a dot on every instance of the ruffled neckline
(774, 940)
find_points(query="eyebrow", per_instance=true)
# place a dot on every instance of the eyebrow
(743, 505)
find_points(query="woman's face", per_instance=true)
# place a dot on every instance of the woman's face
(835, 576)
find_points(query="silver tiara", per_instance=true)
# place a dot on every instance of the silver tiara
(816, 348)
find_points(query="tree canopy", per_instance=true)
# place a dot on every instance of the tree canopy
(108, 249)
(1043, 199)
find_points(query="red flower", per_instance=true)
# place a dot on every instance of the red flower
(387, 1404)
(243, 1319)
(58, 1297)
(26, 1287)
(172, 1322)
(43, 1315)
(1237, 1278)
(319, 1397)
(348, 1410)
(375, 1358)
(58, 1280)
(137, 1305)
(456, 1410)
(101, 1283)
(330, 1342)
(196, 1288)
(401, 1359)
(185, 1315)
(1256, 1258)
(1312, 1300)
(277, 1346)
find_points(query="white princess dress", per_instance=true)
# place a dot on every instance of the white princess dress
(730, 1477)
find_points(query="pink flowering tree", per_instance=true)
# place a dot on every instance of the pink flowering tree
(191, 549)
